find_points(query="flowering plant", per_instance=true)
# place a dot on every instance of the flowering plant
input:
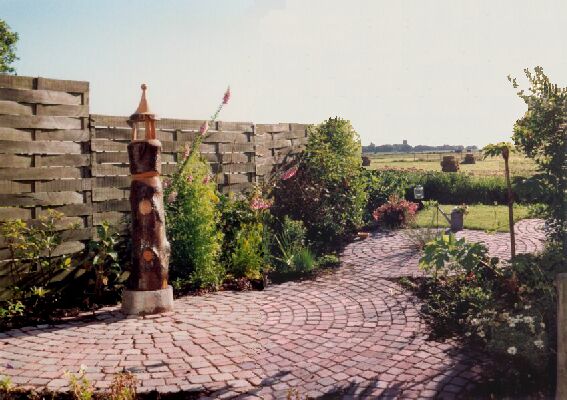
(463, 209)
(396, 212)
(192, 216)
(509, 309)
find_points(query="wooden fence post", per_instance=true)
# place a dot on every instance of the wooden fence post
(561, 391)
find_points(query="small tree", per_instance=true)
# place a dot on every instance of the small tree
(8, 40)
(327, 189)
(504, 149)
(542, 135)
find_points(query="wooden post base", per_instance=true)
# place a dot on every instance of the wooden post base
(144, 302)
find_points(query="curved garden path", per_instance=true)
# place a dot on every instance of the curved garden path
(350, 333)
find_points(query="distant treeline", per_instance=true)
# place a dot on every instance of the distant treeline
(406, 148)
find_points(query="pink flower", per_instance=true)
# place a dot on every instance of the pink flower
(204, 128)
(190, 178)
(290, 173)
(186, 151)
(206, 179)
(259, 203)
(226, 96)
(172, 197)
(166, 183)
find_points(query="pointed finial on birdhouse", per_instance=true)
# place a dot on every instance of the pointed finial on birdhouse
(143, 107)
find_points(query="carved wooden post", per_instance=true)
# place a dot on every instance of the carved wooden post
(148, 291)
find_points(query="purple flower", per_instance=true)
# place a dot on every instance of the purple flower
(258, 203)
(290, 173)
(226, 96)
(204, 128)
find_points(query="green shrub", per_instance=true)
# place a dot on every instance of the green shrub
(380, 186)
(192, 225)
(303, 261)
(292, 255)
(328, 260)
(395, 213)
(245, 226)
(247, 259)
(457, 188)
(103, 261)
(327, 192)
(510, 310)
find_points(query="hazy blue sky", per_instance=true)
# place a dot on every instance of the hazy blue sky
(431, 72)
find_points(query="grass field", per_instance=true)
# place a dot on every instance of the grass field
(519, 165)
(479, 217)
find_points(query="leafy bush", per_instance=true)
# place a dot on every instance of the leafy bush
(455, 188)
(303, 262)
(247, 259)
(192, 224)
(328, 260)
(395, 212)
(292, 255)
(327, 189)
(102, 260)
(245, 226)
(508, 309)
(380, 186)
(32, 266)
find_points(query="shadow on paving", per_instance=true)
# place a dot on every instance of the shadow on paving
(83, 320)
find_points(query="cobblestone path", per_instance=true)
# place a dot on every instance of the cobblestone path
(350, 333)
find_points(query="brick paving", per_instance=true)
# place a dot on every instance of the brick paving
(350, 333)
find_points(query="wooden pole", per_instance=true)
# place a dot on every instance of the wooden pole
(147, 289)
(506, 155)
(150, 248)
(561, 389)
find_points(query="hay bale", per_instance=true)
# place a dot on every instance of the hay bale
(450, 164)
(365, 161)
(469, 159)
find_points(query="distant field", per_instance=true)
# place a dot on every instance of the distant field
(519, 165)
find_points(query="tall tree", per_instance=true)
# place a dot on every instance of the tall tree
(542, 135)
(8, 40)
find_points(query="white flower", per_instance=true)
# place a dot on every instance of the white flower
(527, 307)
(538, 344)
(82, 368)
(467, 334)
(542, 325)
(481, 334)
(529, 320)
(512, 324)
(512, 350)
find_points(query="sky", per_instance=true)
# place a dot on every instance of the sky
(431, 72)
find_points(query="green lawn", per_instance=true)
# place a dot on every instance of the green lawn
(479, 217)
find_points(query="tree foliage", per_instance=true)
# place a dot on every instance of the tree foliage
(328, 192)
(542, 135)
(8, 40)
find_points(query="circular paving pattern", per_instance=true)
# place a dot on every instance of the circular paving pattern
(350, 333)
